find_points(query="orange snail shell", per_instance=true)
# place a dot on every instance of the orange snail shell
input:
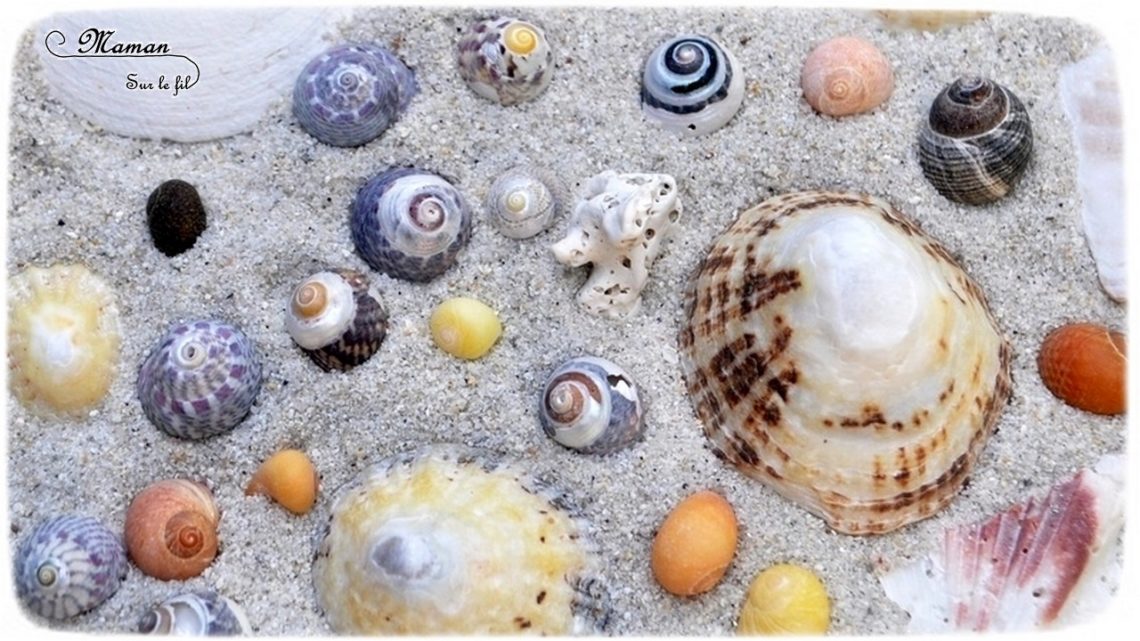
(171, 529)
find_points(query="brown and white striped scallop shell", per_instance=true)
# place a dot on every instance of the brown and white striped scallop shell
(839, 355)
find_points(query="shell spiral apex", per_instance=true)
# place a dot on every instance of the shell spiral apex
(410, 224)
(351, 93)
(524, 200)
(506, 60)
(845, 76)
(336, 318)
(868, 419)
(204, 613)
(171, 529)
(591, 405)
(977, 141)
(691, 85)
(69, 565)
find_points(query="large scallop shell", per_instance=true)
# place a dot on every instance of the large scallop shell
(976, 142)
(845, 76)
(839, 355)
(351, 93)
(63, 339)
(524, 200)
(691, 85)
(337, 319)
(591, 405)
(446, 540)
(204, 613)
(171, 529)
(506, 60)
(410, 224)
(69, 565)
(200, 380)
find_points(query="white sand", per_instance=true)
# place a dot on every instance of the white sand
(278, 201)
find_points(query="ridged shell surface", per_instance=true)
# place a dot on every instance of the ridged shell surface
(691, 85)
(200, 380)
(841, 356)
(203, 613)
(591, 405)
(69, 565)
(506, 60)
(524, 200)
(977, 141)
(449, 540)
(351, 93)
(410, 224)
(336, 318)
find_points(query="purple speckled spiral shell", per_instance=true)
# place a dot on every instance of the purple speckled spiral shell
(410, 224)
(69, 565)
(351, 93)
(200, 380)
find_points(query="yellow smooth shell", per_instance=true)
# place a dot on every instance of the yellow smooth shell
(465, 327)
(785, 599)
(695, 544)
(289, 478)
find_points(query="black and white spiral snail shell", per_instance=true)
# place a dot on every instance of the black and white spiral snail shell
(200, 379)
(977, 141)
(691, 85)
(336, 318)
(204, 613)
(506, 60)
(69, 565)
(410, 224)
(351, 93)
(591, 405)
(524, 200)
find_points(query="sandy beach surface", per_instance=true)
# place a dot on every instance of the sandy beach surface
(278, 200)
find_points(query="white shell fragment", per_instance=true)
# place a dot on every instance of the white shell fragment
(1043, 563)
(618, 227)
(228, 67)
(524, 200)
(1091, 100)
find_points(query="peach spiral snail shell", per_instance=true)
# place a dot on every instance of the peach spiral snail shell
(846, 76)
(171, 529)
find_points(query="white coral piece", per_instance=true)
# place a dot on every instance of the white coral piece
(618, 227)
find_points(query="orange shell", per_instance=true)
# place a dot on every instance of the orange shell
(171, 529)
(695, 544)
(1084, 365)
(289, 478)
(846, 76)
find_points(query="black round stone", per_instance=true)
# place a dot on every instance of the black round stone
(175, 216)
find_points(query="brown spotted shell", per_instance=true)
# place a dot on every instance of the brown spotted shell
(839, 355)
(171, 529)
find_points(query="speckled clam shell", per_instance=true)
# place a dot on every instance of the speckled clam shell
(506, 60)
(691, 85)
(203, 613)
(69, 565)
(351, 93)
(524, 200)
(591, 405)
(446, 539)
(977, 141)
(839, 355)
(200, 380)
(410, 224)
(336, 318)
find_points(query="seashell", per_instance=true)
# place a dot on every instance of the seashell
(785, 600)
(447, 539)
(618, 228)
(976, 142)
(839, 355)
(591, 405)
(845, 76)
(337, 319)
(691, 85)
(1090, 98)
(506, 60)
(63, 339)
(695, 545)
(1084, 365)
(1043, 563)
(69, 565)
(171, 529)
(199, 380)
(229, 70)
(289, 478)
(465, 327)
(203, 613)
(175, 216)
(524, 200)
(410, 224)
(350, 94)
